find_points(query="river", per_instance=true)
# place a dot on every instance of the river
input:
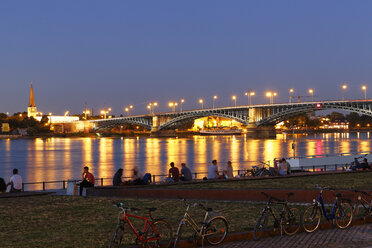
(63, 158)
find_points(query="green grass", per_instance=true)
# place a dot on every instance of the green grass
(358, 180)
(68, 221)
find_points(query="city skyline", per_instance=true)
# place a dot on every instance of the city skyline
(129, 53)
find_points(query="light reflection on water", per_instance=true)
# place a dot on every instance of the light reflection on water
(63, 158)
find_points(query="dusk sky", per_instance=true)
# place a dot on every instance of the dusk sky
(117, 53)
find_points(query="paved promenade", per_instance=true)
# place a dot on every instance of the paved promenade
(356, 236)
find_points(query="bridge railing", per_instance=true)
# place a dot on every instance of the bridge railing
(105, 181)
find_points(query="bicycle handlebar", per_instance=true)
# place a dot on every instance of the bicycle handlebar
(273, 198)
(361, 191)
(121, 205)
(195, 204)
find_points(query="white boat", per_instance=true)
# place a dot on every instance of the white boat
(335, 161)
(220, 131)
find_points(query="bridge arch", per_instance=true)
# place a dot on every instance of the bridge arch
(114, 122)
(181, 119)
(283, 115)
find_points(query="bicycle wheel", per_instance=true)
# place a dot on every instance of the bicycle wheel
(260, 226)
(311, 218)
(216, 230)
(344, 215)
(163, 229)
(117, 236)
(360, 211)
(292, 221)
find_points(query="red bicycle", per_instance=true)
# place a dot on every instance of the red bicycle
(155, 232)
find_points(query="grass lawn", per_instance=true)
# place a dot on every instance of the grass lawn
(68, 221)
(356, 180)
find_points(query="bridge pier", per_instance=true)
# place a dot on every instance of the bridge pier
(155, 132)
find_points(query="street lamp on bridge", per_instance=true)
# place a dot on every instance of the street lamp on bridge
(249, 94)
(173, 105)
(365, 91)
(214, 99)
(290, 95)
(151, 107)
(344, 87)
(271, 95)
(234, 99)
(128, 109)
(104, 112)
(86, 113)
(182, 101)
(311, 92)
(201, 102)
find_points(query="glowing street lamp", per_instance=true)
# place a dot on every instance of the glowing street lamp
(344, 87)
(128, 109)
(290, 95)
(151, 106)
(67, 112)
(365, 91)
(214, 99)
(201, 102)
(271, 96)
(250, 94)
(182, 101)
(173, 106)
(234, 99)
(311, 92)
(86, 113)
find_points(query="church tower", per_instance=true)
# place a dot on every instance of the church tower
(31, 110)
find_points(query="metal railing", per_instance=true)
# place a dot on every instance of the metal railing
(196, 176)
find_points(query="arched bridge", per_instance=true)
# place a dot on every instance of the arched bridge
(252, 116)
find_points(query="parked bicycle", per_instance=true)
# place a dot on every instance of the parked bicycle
(155, 232)
(289, 219)
(342, 212)
(214, 230)
(362, 207)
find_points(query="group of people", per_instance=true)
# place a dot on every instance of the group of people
(284, 168)
(137, 178)
(356, 165)
(213, 172)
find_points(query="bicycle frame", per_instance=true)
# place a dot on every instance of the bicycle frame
(188, 219)
(141, 233)
(320, 201)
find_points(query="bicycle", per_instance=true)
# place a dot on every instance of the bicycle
(289, 219)
(342, 212)
(362, 206)
(155, 232)
(214, 230)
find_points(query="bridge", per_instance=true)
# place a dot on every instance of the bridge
(254, 116)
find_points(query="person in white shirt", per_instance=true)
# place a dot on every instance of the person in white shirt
(228, 171)
(213, 170)
(15, 182)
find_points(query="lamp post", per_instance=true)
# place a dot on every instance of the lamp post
(290, 95)
(128, 109)
(365, 91)
(151, 106)
(86, 113)
(234, 99)
(249, 94)
(105, 112)
(344, 87)
(274, 94)
(182, 101)
(173, 106)
(269, 95)
(201, 102)
(311, 92)
(214, 99)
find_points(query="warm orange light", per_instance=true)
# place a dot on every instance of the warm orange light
(311, 91)
(252, 93)
(182, 100)
(214, 97)
(291, 90)
(344, 86)
(268, 94)
(233, 97)
(364, 87)
(201, 100)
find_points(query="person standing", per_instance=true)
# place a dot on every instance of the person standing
(174, 173)
(88, 179)
(15, 182)
(213, 170)
(185, 173)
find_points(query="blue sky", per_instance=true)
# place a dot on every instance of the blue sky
(117, 53)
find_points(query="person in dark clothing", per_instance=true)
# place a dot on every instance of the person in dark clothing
(88, 180)
(185, 173)
(174, 173)
(356, 165)
(365, 164)
(2, 185)
(116, 181)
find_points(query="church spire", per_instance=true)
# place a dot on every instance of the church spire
(32, 99)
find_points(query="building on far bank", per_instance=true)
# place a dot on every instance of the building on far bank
(31, 110)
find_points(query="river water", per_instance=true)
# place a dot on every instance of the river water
(63, 158)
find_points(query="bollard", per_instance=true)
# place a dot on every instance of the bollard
(23, 187)
(313, 168)
(64, 184)
(153, 178)
(43, 186)
(101, 181)
(325, 168)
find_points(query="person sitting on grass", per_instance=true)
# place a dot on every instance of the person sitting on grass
(15, 182)
(88, 180)
(174, 173)
(356, 165)
(138, 179)
(116, 181)
(283, 167)
(213, 170)
(185, 173)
